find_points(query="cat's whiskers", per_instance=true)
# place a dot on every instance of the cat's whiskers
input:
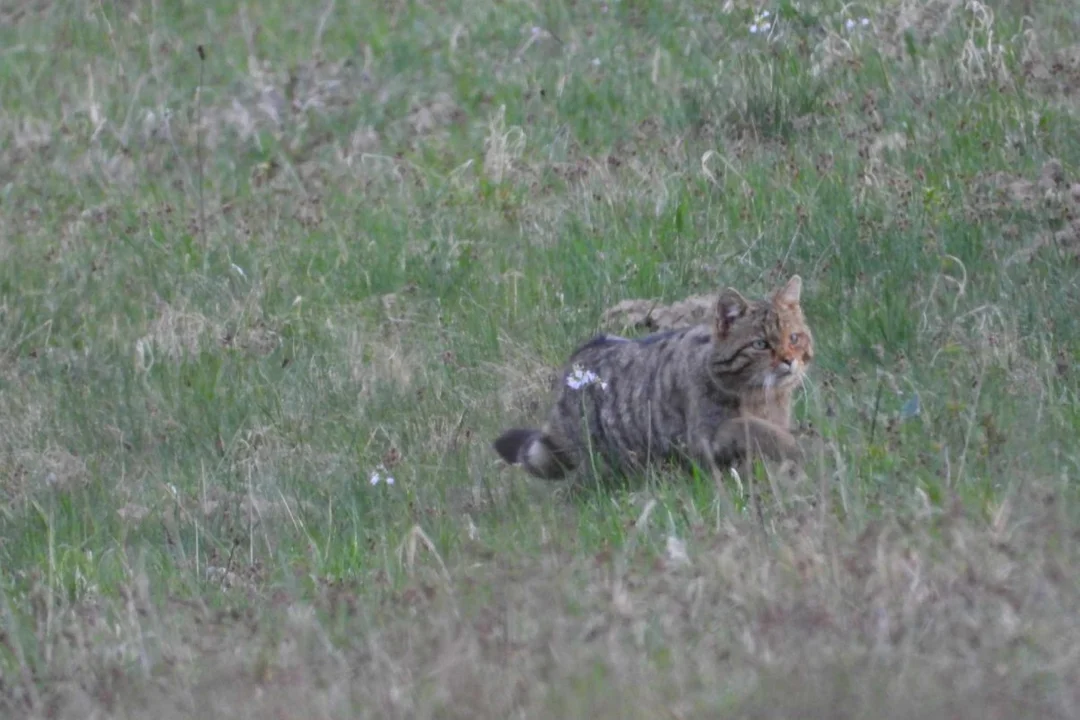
(804, 381)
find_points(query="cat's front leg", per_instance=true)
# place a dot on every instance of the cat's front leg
(747, 437)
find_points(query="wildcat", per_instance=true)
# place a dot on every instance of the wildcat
(714, 393)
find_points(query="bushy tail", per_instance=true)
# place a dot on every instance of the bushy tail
(537, 451)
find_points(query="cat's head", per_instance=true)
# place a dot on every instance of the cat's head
(761, 344)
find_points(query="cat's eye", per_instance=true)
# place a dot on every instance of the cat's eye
(794, 338)
(760, 345)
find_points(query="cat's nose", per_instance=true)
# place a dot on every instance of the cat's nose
(788, 366)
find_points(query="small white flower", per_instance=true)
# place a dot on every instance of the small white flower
(381, 474)
(850, 24)
(596, 62)
(579, 377)
(762, 23)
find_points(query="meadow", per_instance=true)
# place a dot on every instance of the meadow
(273, 276)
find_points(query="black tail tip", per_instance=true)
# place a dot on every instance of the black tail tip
(511, 443)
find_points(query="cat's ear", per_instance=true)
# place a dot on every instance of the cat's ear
(788, 296)
(729, 307)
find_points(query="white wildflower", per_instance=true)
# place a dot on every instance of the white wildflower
(381, 474)
(579, 377)
(762, 24)
(851, 23)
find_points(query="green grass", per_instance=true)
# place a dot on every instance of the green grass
(402, 219)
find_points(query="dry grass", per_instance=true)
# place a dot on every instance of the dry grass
(804, 617)
(401, 220)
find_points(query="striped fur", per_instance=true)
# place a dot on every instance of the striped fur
(711, 393)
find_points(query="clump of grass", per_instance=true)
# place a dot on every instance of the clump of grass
(780, 97)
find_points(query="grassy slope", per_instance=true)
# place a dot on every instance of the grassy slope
(201, 369)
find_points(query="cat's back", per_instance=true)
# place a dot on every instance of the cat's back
(615, 351)
(606, 347)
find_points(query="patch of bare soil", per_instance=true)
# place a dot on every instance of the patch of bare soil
(922, 21)
(277, 101)
(1056, 74)
(13, 13)
(1052, 191)
(177, 333)
(434, 115)
(285, 102)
